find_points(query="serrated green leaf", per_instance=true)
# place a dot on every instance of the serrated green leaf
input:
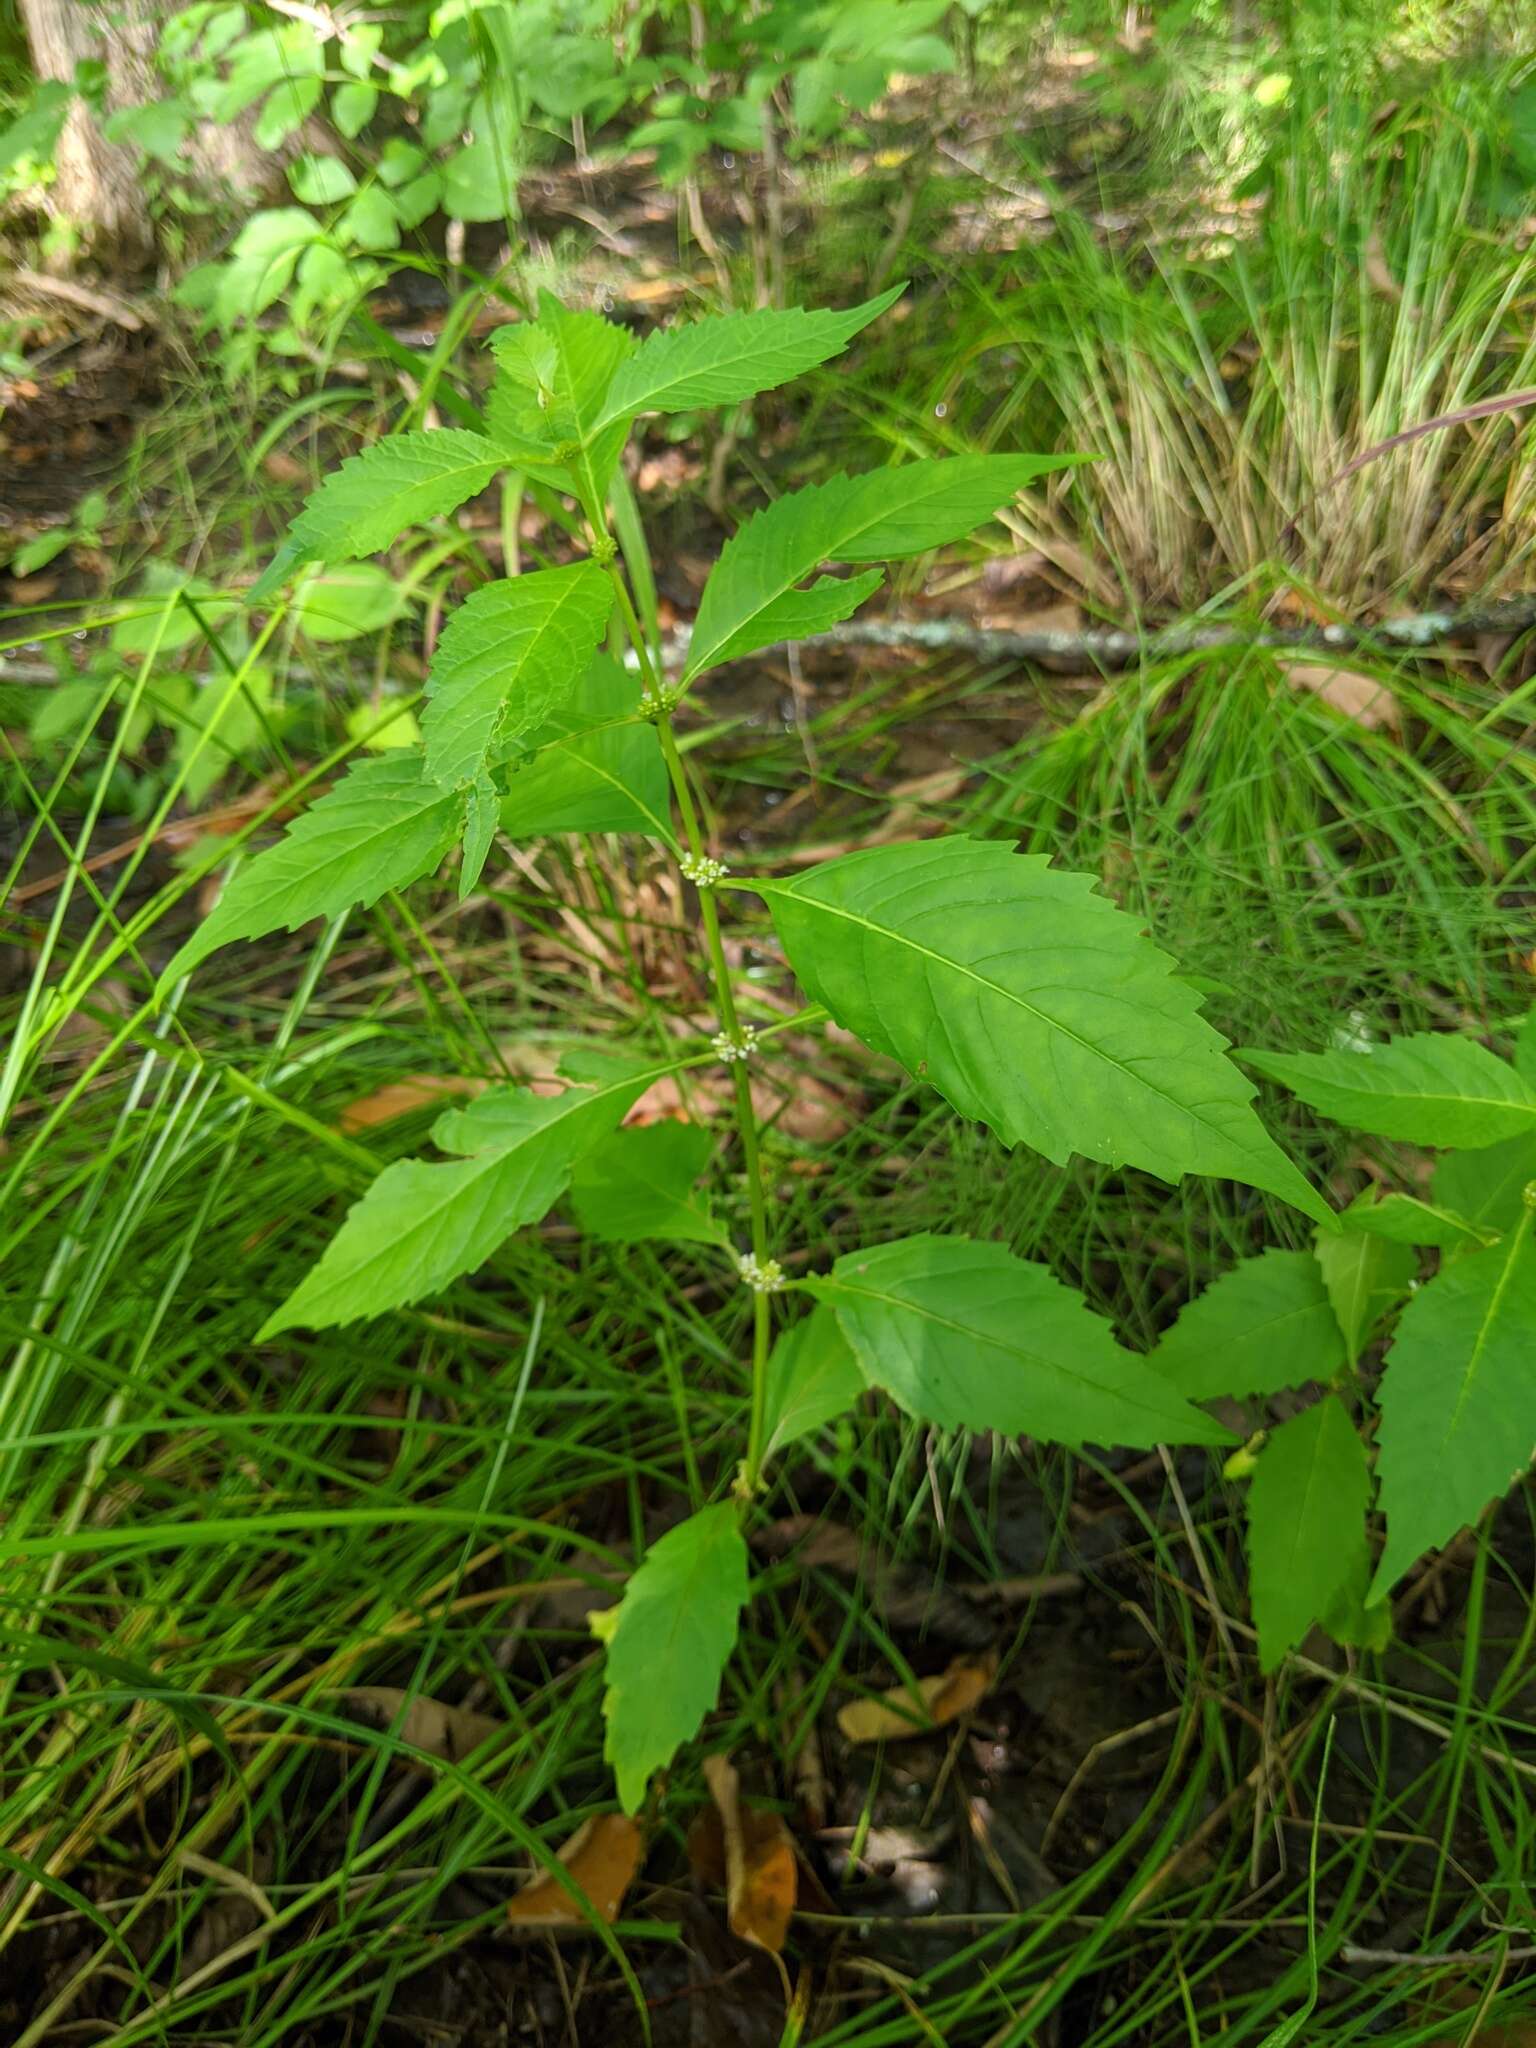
(1030, 1003)
(1458, 1398)
(481, 818)
(669, 1640)
(373, 497)
(509, 657)
(813, 1379)
(640, 1184)
(384, 825)
(1405, 1219)
(750, 598)
(1366, 1277)
(733, 356)
(596, 767)
(1306, 1524)
(1431, 1088)
(421, 1224)
(552, 382)
(1264, 1325)
(1487, 1186)
(965, 1335)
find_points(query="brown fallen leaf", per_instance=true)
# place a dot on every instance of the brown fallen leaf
(399, 1098)
(284, 468)
(602, 1857)
(748, 1851)
(1363, 698)
(425, 1723)
(1378, 271)
(895, 1716)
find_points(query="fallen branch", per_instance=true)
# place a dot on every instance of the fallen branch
(1106, 647)
(89, 299)
(1116, 647)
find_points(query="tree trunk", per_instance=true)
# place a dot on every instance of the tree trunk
(99, 185)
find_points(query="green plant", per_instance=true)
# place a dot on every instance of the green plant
(441, 109)
(1028, 1001)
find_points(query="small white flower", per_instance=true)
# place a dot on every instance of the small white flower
(764, 1278)
(703, 869)
(730, 1049)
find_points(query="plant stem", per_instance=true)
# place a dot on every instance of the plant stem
(746, 1115)
(725, 995)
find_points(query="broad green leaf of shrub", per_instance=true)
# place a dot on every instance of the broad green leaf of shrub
(165, 624)
(352, 108)
(370, 725)
(1032, 1004)
(373, 497)
(813, 1378)
(480, 180)
(321, 180)
(1407, 1219)
(1488, 1186)
(285, 108)
(384, 825)
(1432, 1088)
(1264, 1325)
(421, 1224)
(370, 222)
(668, 1641)
(510, 655)
(595, 767)
(964, 1335)
(346, 601)
(641, 1184)
(731, 357)
(1306, 1524)
(1366, 1277)
(1458, 1398)
(752, 598)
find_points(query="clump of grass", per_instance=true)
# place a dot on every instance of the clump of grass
(1233, 348)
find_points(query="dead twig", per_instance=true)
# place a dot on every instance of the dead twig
(89, 298)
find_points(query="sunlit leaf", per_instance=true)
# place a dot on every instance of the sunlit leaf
(1265, 1324)
(1432, 1088)
(510, 656)
(421, 1224)
(813, 1379)
(1031, 1003)
(1458, 1399)
(384, 825)
(1306, 1524)
(733, 356)
(967, 1336)
(752, 597)
(642, 1184)
(668, 1641)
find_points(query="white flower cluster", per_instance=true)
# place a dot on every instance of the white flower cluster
(730, 1049)
(767, 1278)
(703, 869)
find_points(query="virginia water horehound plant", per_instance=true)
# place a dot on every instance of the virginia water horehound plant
(1027, 1000)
